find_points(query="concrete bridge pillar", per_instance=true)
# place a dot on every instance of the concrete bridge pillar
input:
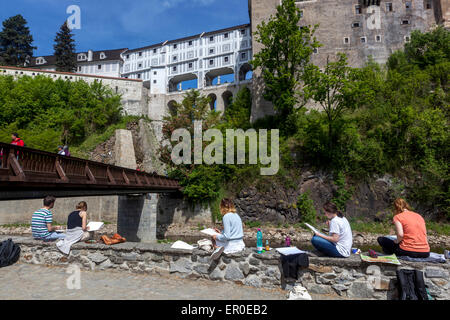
(136, 220)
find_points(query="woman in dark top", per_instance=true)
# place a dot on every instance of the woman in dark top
(77, 229)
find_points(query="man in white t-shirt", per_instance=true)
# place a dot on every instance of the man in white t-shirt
(339, 243)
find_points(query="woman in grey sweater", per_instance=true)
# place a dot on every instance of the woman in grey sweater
(230, 239)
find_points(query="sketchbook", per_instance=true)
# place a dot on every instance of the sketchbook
(289, 250)
(312, 228)
(210, 232)
(94, 226)
(182, 245)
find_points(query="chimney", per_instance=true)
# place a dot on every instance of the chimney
(90, 55)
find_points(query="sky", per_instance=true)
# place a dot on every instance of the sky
(129, 24)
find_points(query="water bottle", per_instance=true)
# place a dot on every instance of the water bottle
(288, 242)
(267, 245)
(259, 241)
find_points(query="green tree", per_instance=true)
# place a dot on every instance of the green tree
(336, 89)
(65, 50)
(285, 54)
(15, 42)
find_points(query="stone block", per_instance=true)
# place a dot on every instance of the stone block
(132, 256)
(339, 288)
(233, 273)
(245, 268)
(157, 257)
(254, 262)
(253, 281)
(202, 268)
(216, 275)
(320, 268)
(181, 265)
(360, 290)
(436, 273)
(105, 264)
(96, 257)
(319, 289)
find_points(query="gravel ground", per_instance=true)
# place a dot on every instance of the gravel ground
(22, 281)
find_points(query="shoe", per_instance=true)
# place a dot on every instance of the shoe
(216, 254)
(447, 254)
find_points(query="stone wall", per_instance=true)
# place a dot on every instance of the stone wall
(342, 277)
(20, 212)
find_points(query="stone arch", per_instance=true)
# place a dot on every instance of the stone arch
(244, 71)
(175, 81)
(211, 75)
(227, 98)
(213, 101)
(172, 106)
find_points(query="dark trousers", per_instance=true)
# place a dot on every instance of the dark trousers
(390, 247)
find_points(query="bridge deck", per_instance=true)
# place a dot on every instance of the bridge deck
(29, 174)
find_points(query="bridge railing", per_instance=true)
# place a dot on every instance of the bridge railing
(21, 164)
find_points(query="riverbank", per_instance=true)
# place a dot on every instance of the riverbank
(275, 235)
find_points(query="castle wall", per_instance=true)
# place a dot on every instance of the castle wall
(375, 31)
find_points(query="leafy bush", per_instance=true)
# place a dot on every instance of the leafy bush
(306, 210)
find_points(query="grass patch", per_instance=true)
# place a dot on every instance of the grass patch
(16, 225)
(439, 228)
(88, 145)
(253, 224)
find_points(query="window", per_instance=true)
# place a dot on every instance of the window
(243, 32)
(408, 5)
(358, 9)
(301, 13)
(226, 59)
(211, 62)
(190, 43)
(211, 50)
(389, 7)
(211, 39)
(154, 81)
(79, 69)
(356, 25)
(154, 50)
(407, 38)
(174, 69)
(316, 50)
(225, 35)
(139, 75)
(154, 73)
(140, 54)
(378, 38)
(404, 22)
(175, 46)
(174, 58)
(102, 56)
(346, 40)
(81, 57)
(243, 55)
(140, 65)
(128, 56)
(99, 67)
(428, 4)
(363, 40)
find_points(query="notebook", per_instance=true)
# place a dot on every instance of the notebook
(210, 232)
(94, 226)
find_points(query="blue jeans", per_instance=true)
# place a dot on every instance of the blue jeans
(54, 236)
(326, 247)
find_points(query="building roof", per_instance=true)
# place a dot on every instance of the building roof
(190, 37)
(111, 55)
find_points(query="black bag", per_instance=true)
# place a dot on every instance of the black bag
(411, 285)
(9, 253)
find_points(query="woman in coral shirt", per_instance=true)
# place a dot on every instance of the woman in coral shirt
(411, 233)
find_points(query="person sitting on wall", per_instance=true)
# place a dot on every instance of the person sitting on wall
(411, 233)
(61, 151)
(41, 222)
(339, 242)
(230, 240)
(77, 229)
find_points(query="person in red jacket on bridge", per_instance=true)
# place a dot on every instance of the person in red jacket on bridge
(16, 140)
